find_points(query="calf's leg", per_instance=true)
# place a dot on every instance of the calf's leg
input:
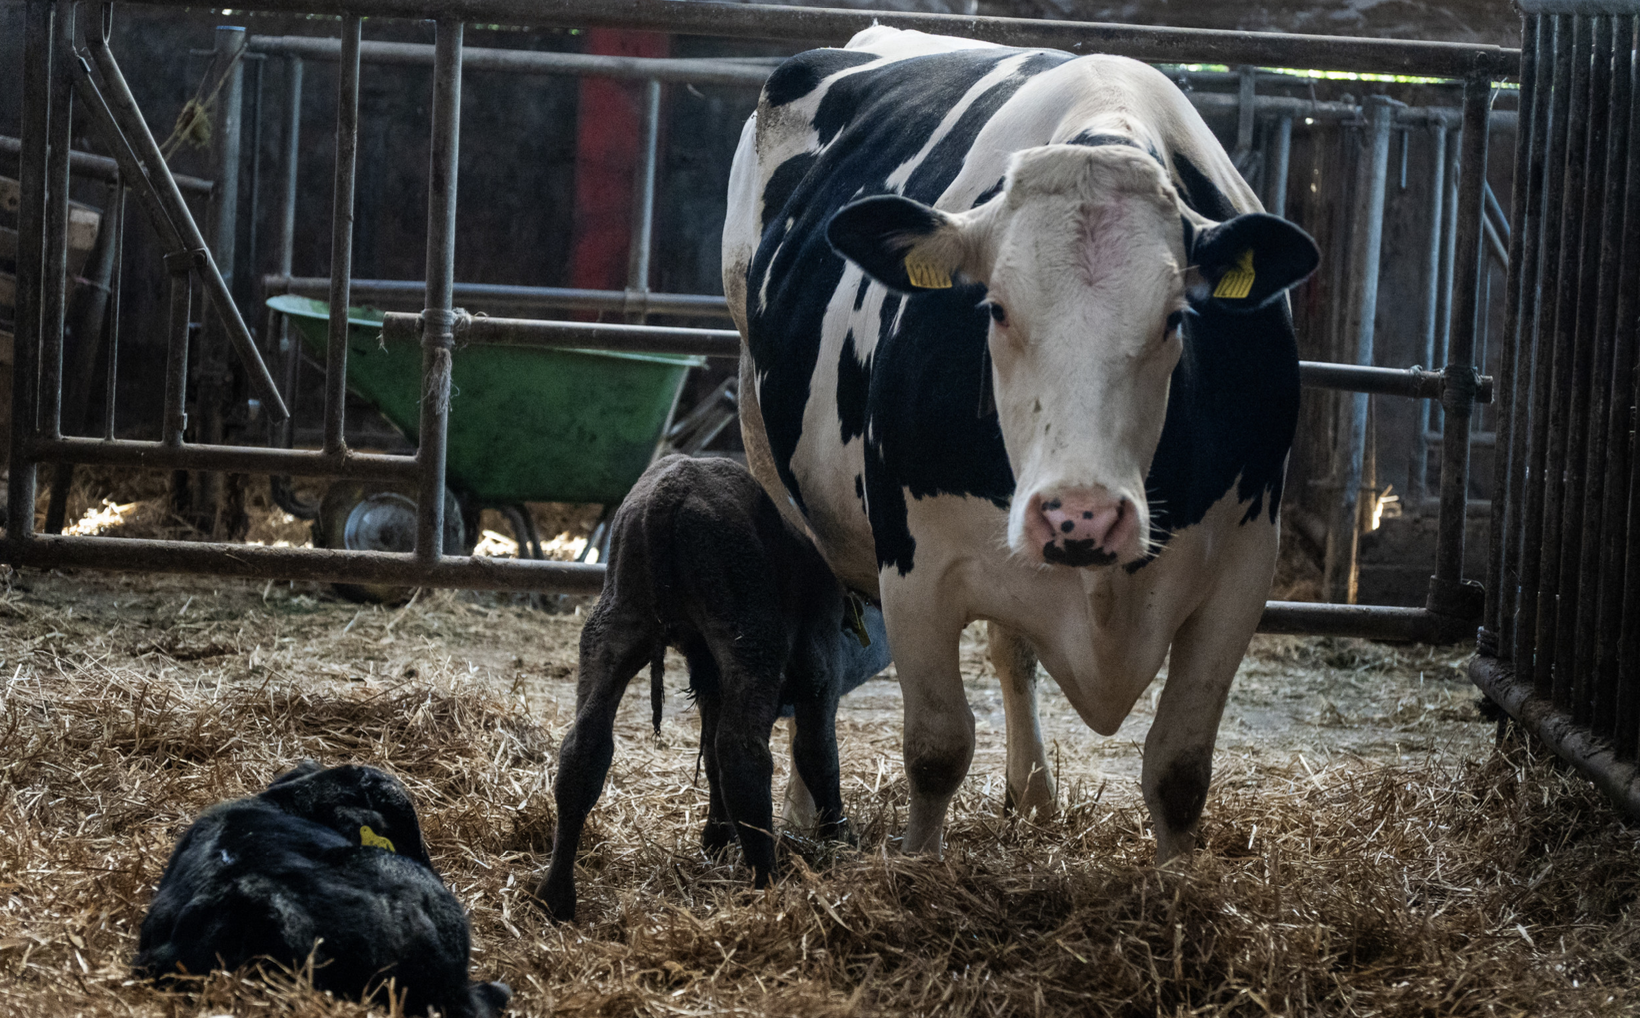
(613, 649)
(1030, 782)
(814, 760)
(745, 767)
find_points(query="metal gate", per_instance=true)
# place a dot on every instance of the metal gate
(61, 69)
(1560, 647)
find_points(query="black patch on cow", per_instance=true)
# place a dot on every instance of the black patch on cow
(1201, 194)
(1182, 789)
(782, 182)
(990, 192)
(861, 291)
(1095, 139)
(853, 389)
(795, 79)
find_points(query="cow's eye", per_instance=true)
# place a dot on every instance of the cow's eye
(1174, 321)
(997, 314)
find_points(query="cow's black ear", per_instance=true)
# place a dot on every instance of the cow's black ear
(1250, 260)
(889, 236)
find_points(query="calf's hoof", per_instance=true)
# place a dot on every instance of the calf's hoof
(558, 901)
(716, 838)
(841, 833)
(490, 999)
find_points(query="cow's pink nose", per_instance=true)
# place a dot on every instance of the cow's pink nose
(1084, 527)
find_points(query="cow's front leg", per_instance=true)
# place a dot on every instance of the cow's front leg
(1178, 763)
(939, 726)
(1030, 783)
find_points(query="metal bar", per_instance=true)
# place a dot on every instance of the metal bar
(292, 157)
(214, 375)
(818, 24)
(1246, 109)
(95, 167)
(227, 458)
(686, 70)
(1585, 359)
(643, 195)
(622, 302)
(1514, 375)
(1366, 242)
(1367, 622)
(40, 17)
(341, 235)
(1279, 163)
(123, 108)
(438, 315)
(111, 371)
(1494, 243)
(1562, 337)
(176, 357)
(1447, 595)
(1419, 471)
(1411, 382)
(1617, 649)
(1553, 30)
(253, 217)
(1599, 759)
(54, 281)
(321, 565)
(1494, 208)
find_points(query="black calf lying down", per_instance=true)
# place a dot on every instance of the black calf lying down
(324, 862)
(700, 559)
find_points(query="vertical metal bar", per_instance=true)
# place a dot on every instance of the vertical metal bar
(1555, 30)
(40, 16)
(54, 282)
(1515, 384)
(221, 232)
(1449, 256)
(1366, 244)
(117, 214)
(341, 234)
(1616, 623)
(176, 358)
(293, 154)
(1457, 400)
(1419, 472)
(438, 319)
(643, 195)
(254, 210)
(1590, 385)
(1563, 335)
(1279, 163)
(289, 348)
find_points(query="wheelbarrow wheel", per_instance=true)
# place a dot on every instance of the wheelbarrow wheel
(369, 517)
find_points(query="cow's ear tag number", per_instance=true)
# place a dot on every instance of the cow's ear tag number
(370, 839)
(925, 274)
(1238, 282)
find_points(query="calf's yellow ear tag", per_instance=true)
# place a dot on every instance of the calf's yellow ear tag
(1238, 282)
(926, 274)
(370, 839)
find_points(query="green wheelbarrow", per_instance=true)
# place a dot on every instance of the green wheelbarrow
(526, 425)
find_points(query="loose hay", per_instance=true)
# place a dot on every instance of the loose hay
(1495, 885)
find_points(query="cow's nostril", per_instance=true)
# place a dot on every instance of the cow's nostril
(1051, 504)
(1067, 527)
(1087, 516)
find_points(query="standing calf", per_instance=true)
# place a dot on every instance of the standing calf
(323, 863)
(700, 559)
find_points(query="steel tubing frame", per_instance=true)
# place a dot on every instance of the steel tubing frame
(439, 326)
(1560, 650)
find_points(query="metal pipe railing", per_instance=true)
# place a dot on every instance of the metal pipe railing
(616, 302)
(341, 235)
(833, 26)
(95, 167)
(439, 317)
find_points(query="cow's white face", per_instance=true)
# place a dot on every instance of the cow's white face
(1085, 256)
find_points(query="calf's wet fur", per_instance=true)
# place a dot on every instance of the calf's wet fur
(701, 559)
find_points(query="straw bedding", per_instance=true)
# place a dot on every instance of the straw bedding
(1333, 882)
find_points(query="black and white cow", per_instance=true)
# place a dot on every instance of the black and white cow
(1017, 349)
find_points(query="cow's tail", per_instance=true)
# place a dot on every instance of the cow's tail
(657, 686)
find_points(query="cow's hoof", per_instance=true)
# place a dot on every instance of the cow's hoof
(839, 833)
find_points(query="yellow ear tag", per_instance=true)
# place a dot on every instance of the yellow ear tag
(370, 839)
(925, 274)
(1238, 282)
